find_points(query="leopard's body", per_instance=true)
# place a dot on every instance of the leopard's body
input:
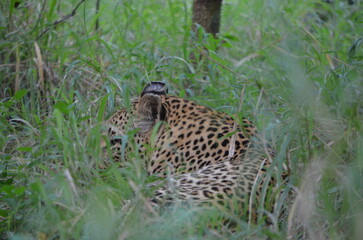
(208, 156)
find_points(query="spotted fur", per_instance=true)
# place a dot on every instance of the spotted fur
(193, 145)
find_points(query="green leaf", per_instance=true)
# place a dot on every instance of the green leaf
(63, 107)
(228, 135)
(24, 149)
(230, 37)
(4, 212)
(217, 58)
(60, 123)
(85, 118)
(101, 111)
(226, 43)
(8, 104)
(19, 190)
(354, 48)
(7, 182)
(20, 93)
(7, 190)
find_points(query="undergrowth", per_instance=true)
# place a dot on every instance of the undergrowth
(65, 67)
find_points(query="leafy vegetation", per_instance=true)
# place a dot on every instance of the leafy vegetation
(296, 66)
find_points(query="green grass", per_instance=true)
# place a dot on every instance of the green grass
(299, 62)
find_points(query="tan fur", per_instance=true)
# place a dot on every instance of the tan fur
(193, 146)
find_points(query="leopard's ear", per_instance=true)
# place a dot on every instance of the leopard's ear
(149, 109)
(158, 88)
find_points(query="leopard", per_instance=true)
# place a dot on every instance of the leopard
(205, 156)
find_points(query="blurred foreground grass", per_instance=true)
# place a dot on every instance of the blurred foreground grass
(300, 63)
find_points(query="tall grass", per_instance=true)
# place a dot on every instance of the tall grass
(300, 63)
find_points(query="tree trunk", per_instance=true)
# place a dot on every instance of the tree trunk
(207, 14)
